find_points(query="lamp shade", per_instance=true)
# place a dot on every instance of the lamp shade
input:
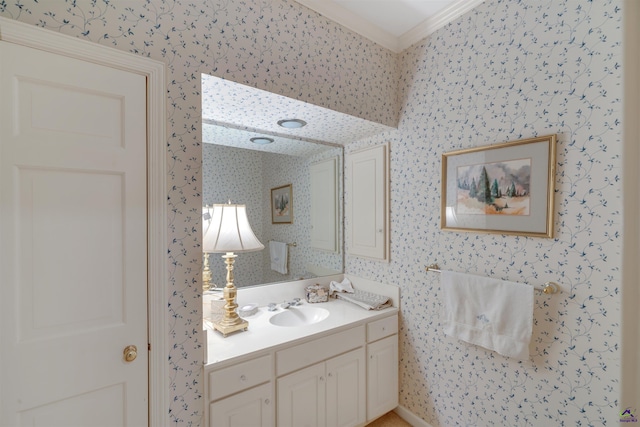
(226, 229)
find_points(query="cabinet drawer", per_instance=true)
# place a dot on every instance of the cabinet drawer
(239, 377)
(299, 356)
(382, 328)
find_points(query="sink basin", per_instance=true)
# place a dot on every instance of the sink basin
(299, 316)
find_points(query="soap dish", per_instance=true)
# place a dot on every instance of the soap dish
(248, 310)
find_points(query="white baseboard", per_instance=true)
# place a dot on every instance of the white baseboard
(409, 417)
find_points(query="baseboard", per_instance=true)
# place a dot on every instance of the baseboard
(409, 417)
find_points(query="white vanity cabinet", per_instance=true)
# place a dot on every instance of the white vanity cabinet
(241, 395)
(330, 389)
(345, 377)
(252, 407)
(330, 393)
(382, 366)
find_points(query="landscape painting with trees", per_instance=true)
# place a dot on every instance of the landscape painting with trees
(501, 188)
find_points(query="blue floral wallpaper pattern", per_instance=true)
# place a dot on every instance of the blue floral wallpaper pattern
(510, 70)
(507, 70)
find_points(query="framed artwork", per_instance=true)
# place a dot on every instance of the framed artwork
(504, 188)
(282, 205)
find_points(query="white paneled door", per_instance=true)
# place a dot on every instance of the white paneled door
(73, 251)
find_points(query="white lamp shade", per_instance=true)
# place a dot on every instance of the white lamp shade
(226, 229)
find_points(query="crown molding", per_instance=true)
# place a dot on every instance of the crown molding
(431, 25)
(355, 23)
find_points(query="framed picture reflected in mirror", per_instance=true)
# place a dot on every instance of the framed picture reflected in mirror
(282, 205)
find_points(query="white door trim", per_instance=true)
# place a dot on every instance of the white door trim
(630, 378)
(28, 35)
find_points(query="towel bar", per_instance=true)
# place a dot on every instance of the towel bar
(548, 288)
(294, 244)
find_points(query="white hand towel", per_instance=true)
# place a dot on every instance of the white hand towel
(494, 314)
(279, 255)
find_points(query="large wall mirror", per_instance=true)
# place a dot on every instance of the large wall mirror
(243, 171)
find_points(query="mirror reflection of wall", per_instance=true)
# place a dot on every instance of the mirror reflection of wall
(247, 177)
(236, 169)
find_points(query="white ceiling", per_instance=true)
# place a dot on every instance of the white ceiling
(394, 24)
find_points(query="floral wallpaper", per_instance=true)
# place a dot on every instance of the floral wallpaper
(235, 174)
(505, 71)
(509, 69)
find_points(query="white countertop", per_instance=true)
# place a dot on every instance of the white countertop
(262, 335)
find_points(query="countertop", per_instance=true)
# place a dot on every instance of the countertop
(262, 335)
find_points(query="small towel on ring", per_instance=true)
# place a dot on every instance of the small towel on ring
(279, 253)
(494, 314)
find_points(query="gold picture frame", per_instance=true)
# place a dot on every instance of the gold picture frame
(505, 188)
(282, 205)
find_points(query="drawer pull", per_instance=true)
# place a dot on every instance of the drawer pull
(243, 377)
(267, 401)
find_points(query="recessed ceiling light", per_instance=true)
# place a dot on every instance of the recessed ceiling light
(292, 123)
(261, 140)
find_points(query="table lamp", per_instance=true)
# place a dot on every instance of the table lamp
(228, 231)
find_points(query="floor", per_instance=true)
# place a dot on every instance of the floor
(390, 419)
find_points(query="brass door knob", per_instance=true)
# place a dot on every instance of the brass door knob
(130, 353)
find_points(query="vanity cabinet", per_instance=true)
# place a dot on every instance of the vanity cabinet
(382, 366)
(330, 393)
(344, 378)
(241, 395)
(253, 407)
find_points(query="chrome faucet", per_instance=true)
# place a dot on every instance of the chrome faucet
(292, 303)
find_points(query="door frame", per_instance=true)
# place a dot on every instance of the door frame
(630, 373)
(157, 298)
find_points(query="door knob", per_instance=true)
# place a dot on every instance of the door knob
(130, 353)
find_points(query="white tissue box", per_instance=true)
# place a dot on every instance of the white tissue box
(316, 293)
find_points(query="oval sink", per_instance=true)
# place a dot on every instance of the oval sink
(299, 316)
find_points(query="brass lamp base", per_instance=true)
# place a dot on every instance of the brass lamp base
(230, 321)
(225, 330)
(206, 274)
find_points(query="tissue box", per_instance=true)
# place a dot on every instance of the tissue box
(316, 293)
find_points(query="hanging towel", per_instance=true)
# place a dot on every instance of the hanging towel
(494, 314)
(279, 255)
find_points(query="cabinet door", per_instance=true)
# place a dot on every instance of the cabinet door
(346, 398)
(301, 398)
(324, 205)
(251, 408)
(367, 194)
(382, 376)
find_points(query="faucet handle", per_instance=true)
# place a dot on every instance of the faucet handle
(296, 301)
(272, 306)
